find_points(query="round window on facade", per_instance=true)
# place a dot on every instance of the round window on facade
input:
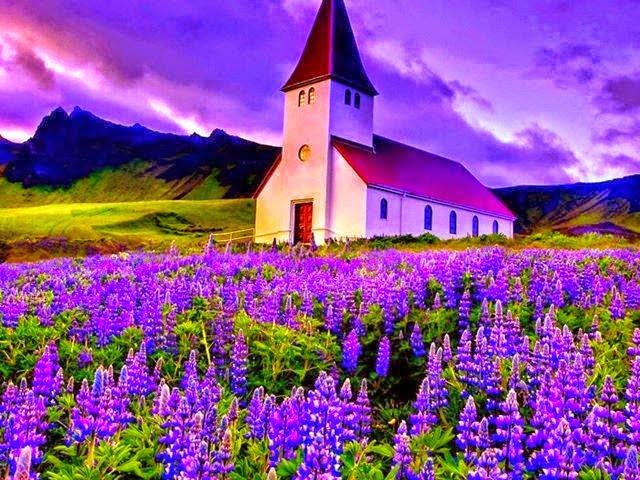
(304, 154)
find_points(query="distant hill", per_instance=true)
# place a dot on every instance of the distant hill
(79, 157)
(605, 207)
(7, 150)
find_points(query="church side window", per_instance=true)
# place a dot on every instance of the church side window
(356, 100)
(453, 223)
(312, 96)
(384, 209)
(428, 218)
(347, 97)
(302, 98)
(496, 227)
(475, 227)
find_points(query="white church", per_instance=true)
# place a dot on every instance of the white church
(336, 179)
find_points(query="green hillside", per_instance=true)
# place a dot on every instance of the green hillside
(135, 181)
(81, 228)
(611, 207)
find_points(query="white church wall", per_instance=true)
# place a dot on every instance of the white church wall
(406, 216)
(349, 122)
(294, 180)
(347, 205)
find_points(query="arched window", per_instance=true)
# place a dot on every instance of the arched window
(312, 96)
(356, 100)
(475, 226)
(453, 223)
(384, 208)
(347, 97)
(428, 218)
(302, 98)
(496, 227)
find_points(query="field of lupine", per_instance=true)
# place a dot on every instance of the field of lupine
(481, 364)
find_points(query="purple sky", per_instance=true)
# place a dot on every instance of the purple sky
(541, 91)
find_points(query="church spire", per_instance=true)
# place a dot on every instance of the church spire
(331, 52)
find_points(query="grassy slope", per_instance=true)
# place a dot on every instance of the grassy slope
(131, 182)
(37, 232)
(566, 208)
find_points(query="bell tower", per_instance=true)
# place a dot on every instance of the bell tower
(328, 94)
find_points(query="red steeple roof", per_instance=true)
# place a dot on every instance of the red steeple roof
(331, 52)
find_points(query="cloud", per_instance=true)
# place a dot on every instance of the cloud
(16, 56)
(617, 135)
(622, 163)
(411, 63)
(620, 95)
(457, 82)
(568, 64)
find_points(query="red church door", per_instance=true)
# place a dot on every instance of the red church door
(303, 219)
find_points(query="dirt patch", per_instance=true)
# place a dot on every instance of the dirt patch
(605, 228)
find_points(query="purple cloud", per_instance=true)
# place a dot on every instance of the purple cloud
(621, 95)
(455, 79)
(622, 162)
(568, 64)
(623, 134)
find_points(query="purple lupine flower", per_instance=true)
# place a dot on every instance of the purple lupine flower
(427, 472)
(632, 407)
(101, 411)
(617, 305)
(24, 425)
(509, 435)
(323, 432)
(559, 457)
(634, 349)
(23, 465)
(467, 428)
(84, 358)
(239, 355)
(362, 413)
(161, 402)
(485, 317)
(135, 378)
(285, 429)
(488, 467)
(190, 370)
(447, 354)
(417, 342)
(255, 418)
(47, 378)
(351, 352)
(464, 359)
(464, 310)
(437, 383)
(223, 463)
(631, 470)
(384, 357)
(425, 417)
(402, 452)
(437, 303)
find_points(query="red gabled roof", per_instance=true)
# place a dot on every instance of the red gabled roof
(331, 52)
(398, 166)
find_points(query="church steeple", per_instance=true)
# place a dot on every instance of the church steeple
(331, 52)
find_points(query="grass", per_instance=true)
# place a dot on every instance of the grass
(78, 229)
(131, 182)
(31, 233)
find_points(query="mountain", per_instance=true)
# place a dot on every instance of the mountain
(605, 207)
(7, 150)
(67, 148)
